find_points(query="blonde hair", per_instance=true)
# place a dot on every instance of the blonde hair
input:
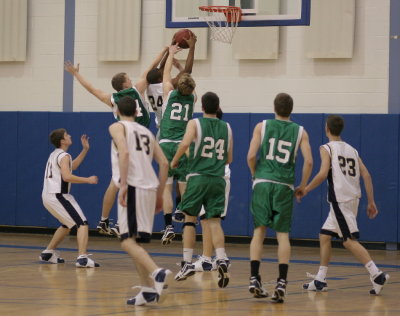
(186, 84)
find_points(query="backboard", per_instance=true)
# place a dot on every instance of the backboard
(186, 13)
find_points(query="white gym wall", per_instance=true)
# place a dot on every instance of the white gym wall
(342, 85)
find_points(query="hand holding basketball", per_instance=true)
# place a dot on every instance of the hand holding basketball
(181, 38)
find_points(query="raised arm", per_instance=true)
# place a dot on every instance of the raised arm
(167, 84)
(101, 95)
(255, 144)
(69, 177)
(190, 135)
(142, 83)
(85, 148)
(230, 148)
(117, 133)
(372, 210)
(189, 60)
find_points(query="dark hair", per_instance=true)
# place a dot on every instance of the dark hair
(127, 106)
(186, 84)
(118, 81)
(56, 136)
(283, 104)
(335, 124)
(219, 113)
(154, 76)
(210, 103)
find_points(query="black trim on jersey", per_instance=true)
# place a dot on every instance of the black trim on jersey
(70, 210)
(131, 211)
(355, 235)
(344, 228)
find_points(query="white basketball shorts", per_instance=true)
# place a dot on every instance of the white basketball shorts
(65, 208)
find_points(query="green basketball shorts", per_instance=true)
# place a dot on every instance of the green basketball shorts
(179, 173)
(204, 190)
(272, 206)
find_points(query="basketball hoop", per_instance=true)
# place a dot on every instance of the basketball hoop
(222, 20)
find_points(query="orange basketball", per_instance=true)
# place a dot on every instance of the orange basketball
(180, 36)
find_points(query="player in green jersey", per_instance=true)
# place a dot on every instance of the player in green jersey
(210, 142)
(277, 142)
(177, 111)
(123, 85)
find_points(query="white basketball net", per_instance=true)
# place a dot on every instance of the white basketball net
(222, 22)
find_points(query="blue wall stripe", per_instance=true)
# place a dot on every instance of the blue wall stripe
(394, 61)
(69, 44)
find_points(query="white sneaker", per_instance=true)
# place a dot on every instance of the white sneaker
(378, 282)
(186, 271)
(51, 256)
(146, 295)
(161, 279)
(315, 285)
(83, 261)
(203, 264)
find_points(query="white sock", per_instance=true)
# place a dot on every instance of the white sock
(207, 258)
(187, 254)
(372, 269)
(220, 253)
(321, 276)
(103, 218)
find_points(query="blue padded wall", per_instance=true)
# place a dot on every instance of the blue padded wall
(8, 167)
(376, 137)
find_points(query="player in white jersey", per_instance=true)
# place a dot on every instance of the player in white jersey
(343, 167)
(140, 197)
(120, 82)
(62, 205)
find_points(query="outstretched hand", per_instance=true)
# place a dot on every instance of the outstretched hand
(191, 41)
(68, 66)
(173, 49)
(85, 142)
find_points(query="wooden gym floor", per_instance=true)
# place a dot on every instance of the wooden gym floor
(28, 287)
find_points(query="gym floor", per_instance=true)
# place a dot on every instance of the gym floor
(33, 288)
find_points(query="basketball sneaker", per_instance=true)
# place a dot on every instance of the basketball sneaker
(103, 227)
(223, 275)
(315, 285)
(146, 295)
(187, 270)
(203, 264)
(214, 263)
(378, 282)
(178, 216)
(169, 234)
(256, 287)
(51, 256)
(115, 230)
(280, 291)
(83, 261)
(161, 279)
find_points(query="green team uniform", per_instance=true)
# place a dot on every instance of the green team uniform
(176, 114)
(142, 113)
(272, 199)
(206, 168)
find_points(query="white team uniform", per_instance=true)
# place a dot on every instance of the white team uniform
(136, 220)
(55, 194)
(343, 190)
(227, 178)
(155, 96)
